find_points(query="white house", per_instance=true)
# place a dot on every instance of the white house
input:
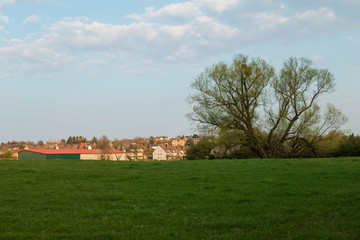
(159, 154)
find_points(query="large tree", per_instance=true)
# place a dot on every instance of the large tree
(274, 111)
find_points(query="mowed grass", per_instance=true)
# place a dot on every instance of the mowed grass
(218, 199)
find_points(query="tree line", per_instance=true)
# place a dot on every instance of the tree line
(230, 146)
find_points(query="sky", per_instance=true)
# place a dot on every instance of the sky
(124, 68)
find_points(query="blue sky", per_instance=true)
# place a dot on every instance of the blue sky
(124, 69)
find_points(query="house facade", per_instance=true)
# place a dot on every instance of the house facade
(159, 154)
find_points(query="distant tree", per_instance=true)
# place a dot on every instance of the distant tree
(203, 149)
(125, 144)
(78, 139)
(13, 144)
(137, 146)
(94, 140)
(30, 143)
(324, 148)
(148, 152)
(189, 142)
(104, 145)
(8, 154)
(70, 141)
(349, 146)
(116, 143)
(40, 143)
(269, 109)
(152, 141)
(224, 145)
(233, 144)
(21, 144)
(135, 149)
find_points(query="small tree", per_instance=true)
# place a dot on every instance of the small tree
(152, 141)
(70, 141)
(203, 149)
(40, 143)
(8, 154)
(116, 143)
(104, 146)
(94, 140)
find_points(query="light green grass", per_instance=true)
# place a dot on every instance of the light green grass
(219, 199)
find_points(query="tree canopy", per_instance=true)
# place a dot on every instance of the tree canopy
(271, 110)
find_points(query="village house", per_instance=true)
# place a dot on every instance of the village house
(136, 154)
(178, 142)
(159, 154)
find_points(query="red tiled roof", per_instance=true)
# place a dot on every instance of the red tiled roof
(70, 151)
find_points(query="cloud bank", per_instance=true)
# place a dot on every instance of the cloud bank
(184, 32)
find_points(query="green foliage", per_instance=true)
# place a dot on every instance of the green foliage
(349, 146)
(218, 199)
(202, 150)
(232, 144)
(116, 143)
(76, 140)
(8, 154)
(227, 145)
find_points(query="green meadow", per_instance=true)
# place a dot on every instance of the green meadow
(217, 199)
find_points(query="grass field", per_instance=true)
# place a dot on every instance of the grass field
(219, 199)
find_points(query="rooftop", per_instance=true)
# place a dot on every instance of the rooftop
(71, 151)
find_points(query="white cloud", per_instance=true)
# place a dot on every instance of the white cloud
(264, 59)
(32, 19)
(139, 71)
(4, 18)
(210, 31)
(147, 39)
(94, 61)
(220, 5)
(177, 11)
(185, 10)
(317, 58)
(32, 58)
(4, 2)
(320, 13)
(151, 40)
(198, 35)
(351, 39)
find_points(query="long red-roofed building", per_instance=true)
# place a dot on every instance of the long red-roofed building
(83, 154)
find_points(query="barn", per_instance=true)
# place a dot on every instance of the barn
(83, 154)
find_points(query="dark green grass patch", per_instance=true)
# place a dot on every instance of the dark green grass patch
(219, 199)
